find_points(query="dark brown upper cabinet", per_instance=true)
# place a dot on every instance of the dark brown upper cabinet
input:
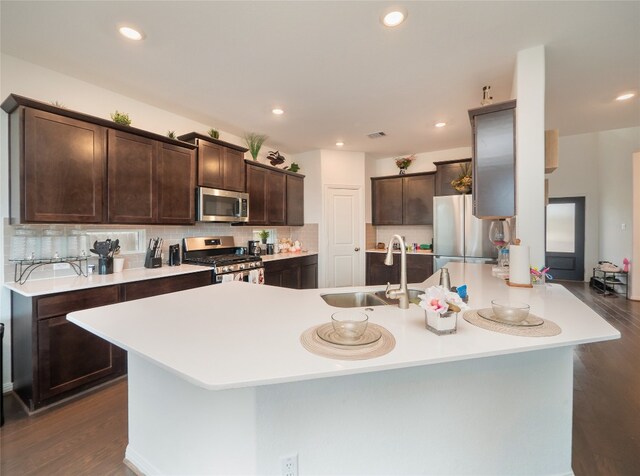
(220, 164)
(403, 199)
(176, 183)
(59, 162)
(150, 182)
(276, 196)
(58, 168)
(446, 172)
(132, 178)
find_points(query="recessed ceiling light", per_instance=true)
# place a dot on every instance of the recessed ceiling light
(393, 18)
(624, 97)
(441, 124)
(130, 33)
(339, 144)
(277, 111)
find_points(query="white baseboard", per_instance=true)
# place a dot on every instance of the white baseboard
(7, 387)
(138, 464)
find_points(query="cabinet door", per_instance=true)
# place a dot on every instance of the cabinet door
(210, 164)
(419, 268)
(132, 178)
(70, 357)
(176, 185)
(380, 273)
(309, 275)
(417, 198)
(276, 198)
(234, 176)
(257, 188)
(64, 169)
(295, 200)
(386, 196)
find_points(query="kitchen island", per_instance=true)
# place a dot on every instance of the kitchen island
(219, 383)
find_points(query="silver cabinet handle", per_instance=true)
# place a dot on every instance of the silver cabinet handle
(356, 249)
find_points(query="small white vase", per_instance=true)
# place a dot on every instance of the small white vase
(441, 324)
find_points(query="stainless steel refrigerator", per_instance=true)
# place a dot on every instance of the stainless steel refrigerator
(458, 235)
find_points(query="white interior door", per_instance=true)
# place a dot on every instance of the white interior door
(342, 218)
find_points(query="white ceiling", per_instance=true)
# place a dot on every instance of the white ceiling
(337, 72)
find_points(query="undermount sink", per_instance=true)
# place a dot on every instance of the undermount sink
(413, 296)
(362, 299)
(358, 299)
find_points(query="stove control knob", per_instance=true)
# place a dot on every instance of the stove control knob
(225, 269)
(241, 266)
(252, 265)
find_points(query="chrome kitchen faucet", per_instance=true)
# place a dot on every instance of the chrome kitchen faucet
(402, 292)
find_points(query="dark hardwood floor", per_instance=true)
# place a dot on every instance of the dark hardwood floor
(606, 396)
(88, 436)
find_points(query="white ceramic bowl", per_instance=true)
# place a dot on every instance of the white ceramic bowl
(349, 324)
(511, 311)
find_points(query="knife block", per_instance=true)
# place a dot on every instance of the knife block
(151, 262)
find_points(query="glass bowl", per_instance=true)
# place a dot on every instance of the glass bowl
(511, 311)
(349, 324)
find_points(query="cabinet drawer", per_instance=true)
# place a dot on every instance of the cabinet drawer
(172, 284)
(60, 304)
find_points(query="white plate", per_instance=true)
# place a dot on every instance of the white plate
(327, 333)
(530, 321)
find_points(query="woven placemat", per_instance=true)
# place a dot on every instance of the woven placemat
(314, 344)
(546, 329)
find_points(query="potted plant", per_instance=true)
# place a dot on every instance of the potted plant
(171, 134)
(214, 133)
(121, 118)
(264, 234)
(464, 181)
(254, 143)
(403, 163)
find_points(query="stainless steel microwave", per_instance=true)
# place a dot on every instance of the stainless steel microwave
(222, 205)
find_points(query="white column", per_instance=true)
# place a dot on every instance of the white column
(529, 89)
(634, 290)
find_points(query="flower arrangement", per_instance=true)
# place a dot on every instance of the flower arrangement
(464, 181)
(539, 276)
(439, 300)
(403, 163)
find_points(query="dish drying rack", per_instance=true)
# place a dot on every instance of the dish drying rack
(24, 267)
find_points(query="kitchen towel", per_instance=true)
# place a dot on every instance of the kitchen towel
(519, 265)
(256, 276)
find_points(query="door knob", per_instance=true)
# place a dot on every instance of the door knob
(356, 249)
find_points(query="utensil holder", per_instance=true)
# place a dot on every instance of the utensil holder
(441, 324)
(105, 265)
(152, 262)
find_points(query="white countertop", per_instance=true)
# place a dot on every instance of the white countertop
(279, 256)
(39, 287)
(240, 335)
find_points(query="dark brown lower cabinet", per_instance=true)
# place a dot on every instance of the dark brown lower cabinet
(53, 358)
(295, 273)
(419, 268)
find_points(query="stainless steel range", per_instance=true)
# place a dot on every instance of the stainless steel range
(228, 261)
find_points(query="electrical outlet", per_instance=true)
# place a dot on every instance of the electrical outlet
(58, 266)
(289, 465)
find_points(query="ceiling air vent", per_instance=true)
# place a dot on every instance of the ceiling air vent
(375, 135)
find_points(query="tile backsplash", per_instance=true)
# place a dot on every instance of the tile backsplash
(420, 234)
(43, 234)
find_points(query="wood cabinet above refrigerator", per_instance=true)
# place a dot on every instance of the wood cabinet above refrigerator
(494, 160)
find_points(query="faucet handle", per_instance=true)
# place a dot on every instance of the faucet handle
(387, 289)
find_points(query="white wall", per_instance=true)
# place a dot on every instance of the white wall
(598, 166)
(577, 176)
(30, 80)
(529, 89)
(309, 163)
(615, 150)
(424, 160)
(634, 291)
